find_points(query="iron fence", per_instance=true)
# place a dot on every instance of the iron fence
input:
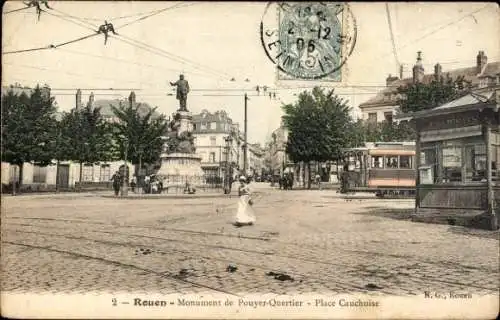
(200, 182)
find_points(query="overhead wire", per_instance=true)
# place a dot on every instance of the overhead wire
(179, 58)
(394, 50)
(15, 10)
(434, 31)
(51, 46)
(76, 74)
(93, 27)
(83, 24)
(161, 54)
(178, 5)
(155, 67)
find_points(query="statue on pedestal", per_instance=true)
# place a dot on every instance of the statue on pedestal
(182, 92)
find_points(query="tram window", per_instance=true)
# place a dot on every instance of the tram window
(405, 162)
(377, 162)
(391, 161)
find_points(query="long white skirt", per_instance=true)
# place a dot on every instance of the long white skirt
(245, 213)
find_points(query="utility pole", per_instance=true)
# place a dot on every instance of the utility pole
(58, 148)
(245, 150)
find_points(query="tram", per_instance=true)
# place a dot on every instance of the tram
(384, 168)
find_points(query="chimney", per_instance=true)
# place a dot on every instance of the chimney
(390, 79)
(131, 98)
(78, 96)
(418, 69)
(438, 71)
(481, 61)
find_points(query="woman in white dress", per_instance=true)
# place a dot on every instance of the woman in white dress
(245, 214)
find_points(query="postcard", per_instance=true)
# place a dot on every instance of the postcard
(250, 160)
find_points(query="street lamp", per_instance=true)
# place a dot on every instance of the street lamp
(124, 192)
(227, 179)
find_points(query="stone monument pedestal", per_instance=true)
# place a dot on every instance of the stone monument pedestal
(180, 164)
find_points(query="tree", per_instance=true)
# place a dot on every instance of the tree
(84, 137)
(421, 96)
(140, 135)
(382, 131)
(28, 129)
(319, 127)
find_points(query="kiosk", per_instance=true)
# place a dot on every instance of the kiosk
(457, 152)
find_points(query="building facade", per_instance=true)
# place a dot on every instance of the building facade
(255, 159)
(278, 158)
(384, 106)
(217, 141)
(66, 174)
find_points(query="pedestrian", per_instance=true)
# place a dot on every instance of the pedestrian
(318, 180)
(245, 214)
(133, 183)
(116, 178)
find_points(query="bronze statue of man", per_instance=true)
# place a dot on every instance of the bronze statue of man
(182, 92)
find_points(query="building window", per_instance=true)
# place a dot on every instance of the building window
(39, 174)
(87, 173)
(213, 141)
(388, 116)
(212, 157)
(203, 126)
(213, 125)
(372, 117)
(391, 161)
(194, 126)
(405, 162)
(377, 162)
(105, 174)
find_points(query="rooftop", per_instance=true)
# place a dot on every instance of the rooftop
(107, 111)
(389, 96)
(466, 102)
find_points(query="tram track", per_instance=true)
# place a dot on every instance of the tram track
(266, 239)
(313, 261)
(254, 266)
(121, 264)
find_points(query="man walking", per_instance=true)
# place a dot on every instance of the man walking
(116, 178)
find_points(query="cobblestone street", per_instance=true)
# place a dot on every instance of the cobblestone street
(303, 242)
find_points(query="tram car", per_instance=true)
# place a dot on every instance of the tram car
(384, 168)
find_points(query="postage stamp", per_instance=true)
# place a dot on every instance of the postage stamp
(308, 41)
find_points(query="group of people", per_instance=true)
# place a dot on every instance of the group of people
(245, 214)
(286, 181)
(152, 184)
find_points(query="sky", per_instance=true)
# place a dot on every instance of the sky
(210, 43)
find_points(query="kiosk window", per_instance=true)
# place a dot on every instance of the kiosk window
(452, 164)
(475, 162)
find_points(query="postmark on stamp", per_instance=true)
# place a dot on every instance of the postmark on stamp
(308, 41)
